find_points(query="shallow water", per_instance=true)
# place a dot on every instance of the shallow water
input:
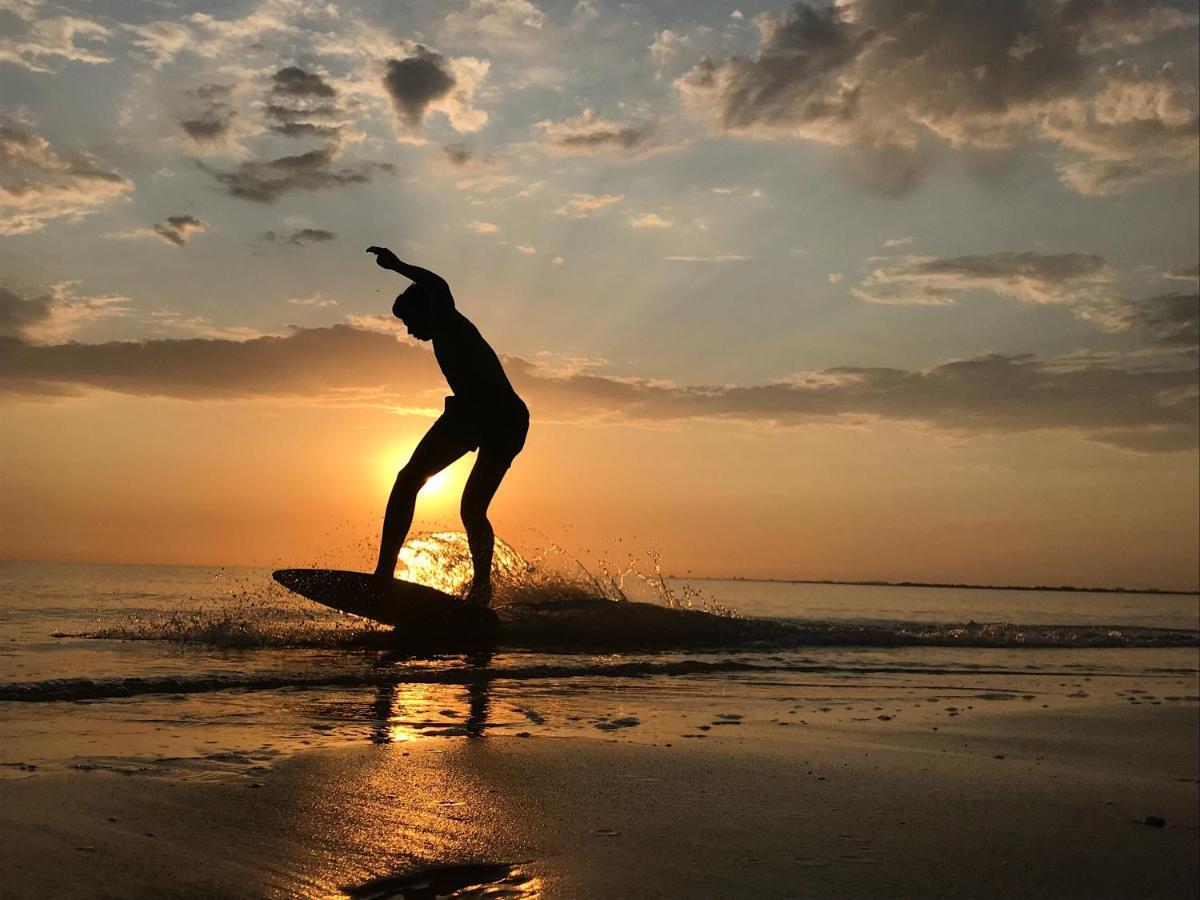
(217, 672)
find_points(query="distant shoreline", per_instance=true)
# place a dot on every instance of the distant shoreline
(1063, 588)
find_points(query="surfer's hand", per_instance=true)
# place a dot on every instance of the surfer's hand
(385, 258)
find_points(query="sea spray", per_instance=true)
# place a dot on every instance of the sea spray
(255, 612)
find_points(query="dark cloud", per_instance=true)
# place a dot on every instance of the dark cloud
(207, 129)
(265, 181)
(625, 138)
(312, 235)
(590, 132)
(878, 77)
(1169, 320)
(302, 236)
(54, 315)
(1147, 408)
(211, 123)
(458, 154)
(417, 81)
(293, 81)
(306, 130)
(177, 229)
(300, 105)
(19, 313)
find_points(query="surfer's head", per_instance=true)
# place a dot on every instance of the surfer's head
(416, 308)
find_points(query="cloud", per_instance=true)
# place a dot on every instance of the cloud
(210, 123)
(55, 315)
(483, 227)
(1190, 274)
(1028, 277)
(210, 38)
(720, 257)
(590, 133)
(667, 47)
(458, 154)
(426, 81)
(292, 81)
(527, 249)
(1168, 320)
(316, 300)
(417, 81)
(650, 220)
(1132, 130)
(208, 128)
(177, 229)
(34, 43)
(877, 78)
(508, 24)
(265, 181)
(1149, 408)
(587, 204)
(37, 185)
(897, 242)
(301, 236)
(296, 98)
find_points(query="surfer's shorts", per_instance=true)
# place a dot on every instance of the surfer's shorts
(498, 431)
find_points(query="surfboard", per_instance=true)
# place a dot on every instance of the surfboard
(401, 604)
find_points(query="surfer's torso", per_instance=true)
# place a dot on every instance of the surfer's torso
(473, 370)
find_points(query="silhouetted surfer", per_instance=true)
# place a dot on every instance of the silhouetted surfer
(484, 413)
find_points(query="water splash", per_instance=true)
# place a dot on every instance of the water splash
(253, 612)
(551, 574)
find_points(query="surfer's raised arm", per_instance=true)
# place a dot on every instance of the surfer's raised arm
(386, 259)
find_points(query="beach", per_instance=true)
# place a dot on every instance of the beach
(176, 732)
(1014, 803)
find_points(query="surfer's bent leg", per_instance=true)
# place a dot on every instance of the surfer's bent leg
(495, 458)
(442, 445)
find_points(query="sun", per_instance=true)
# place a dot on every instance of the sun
(438, 485)
(439, 490)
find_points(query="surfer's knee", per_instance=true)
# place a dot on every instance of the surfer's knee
(474, 516)
(410, 480)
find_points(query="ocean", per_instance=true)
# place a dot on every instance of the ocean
(216, 672)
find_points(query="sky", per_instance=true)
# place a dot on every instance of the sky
(872, 289)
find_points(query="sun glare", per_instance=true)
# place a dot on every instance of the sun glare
(438, 488)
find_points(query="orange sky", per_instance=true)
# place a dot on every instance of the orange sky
(120, 479)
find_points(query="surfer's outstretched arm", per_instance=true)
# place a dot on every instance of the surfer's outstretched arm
(389, 260)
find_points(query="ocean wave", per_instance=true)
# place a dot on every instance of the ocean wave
(77, 689)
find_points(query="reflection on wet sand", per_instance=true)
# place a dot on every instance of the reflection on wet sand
(433, 823)
(392, 723)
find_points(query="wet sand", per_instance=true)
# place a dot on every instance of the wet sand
(1016, 802)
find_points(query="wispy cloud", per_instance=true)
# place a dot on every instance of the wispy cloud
(718, 258)
(38, 185)
(1029, 277)
(588, 204)
(591, 133)
(650, 220)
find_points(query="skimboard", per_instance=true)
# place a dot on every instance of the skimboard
(390, 601)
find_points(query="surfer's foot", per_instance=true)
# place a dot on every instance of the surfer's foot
(479, 596)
